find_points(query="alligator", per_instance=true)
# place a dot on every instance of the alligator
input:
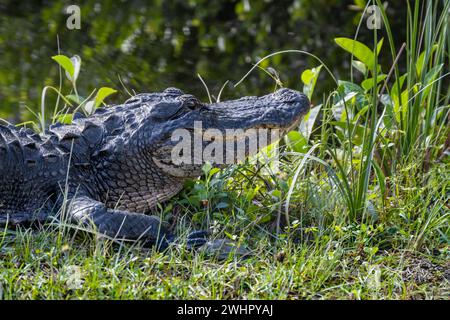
(107, 171)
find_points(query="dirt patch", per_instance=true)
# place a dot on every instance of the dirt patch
(421, 270)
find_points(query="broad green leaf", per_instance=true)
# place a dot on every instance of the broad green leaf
(361, 112)
(265, 218)
(358, 65)
(276, 193)
(75, 98)
(402, 108)
(395, 88)
(379, 46)
(231, 236)
(368, 83)
(307, 124)
(76, 62)
(348, 87)
(213, 171)
(429, 78)
(361, 4)
(358, 49)
(65, 63)
(420, 61)
(250, 193)
(89, 107)
(309, 78)
(296, 141)
(65, 118)
(102, 94)
(206, 168)
(168, 208)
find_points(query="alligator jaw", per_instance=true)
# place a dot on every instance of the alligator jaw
(281, 110)
(227, 132)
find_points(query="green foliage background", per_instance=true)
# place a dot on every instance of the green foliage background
(156, 44)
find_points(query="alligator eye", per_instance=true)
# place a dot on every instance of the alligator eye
(166, 109)
(190, 101)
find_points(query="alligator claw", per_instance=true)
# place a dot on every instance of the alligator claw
(222, 248)
(199, 234)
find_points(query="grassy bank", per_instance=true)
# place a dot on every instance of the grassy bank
(404, 255)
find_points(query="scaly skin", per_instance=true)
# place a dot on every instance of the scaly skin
(116, 165)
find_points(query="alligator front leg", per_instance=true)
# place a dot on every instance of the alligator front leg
(119, 224)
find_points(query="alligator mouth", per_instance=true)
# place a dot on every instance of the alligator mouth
(271, 115)
(281, 110)
(228, 132)
(238, 134)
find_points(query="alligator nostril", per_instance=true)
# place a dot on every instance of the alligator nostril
(282, 91)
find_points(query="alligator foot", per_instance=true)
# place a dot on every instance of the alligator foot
(218, 248)
(197, 239)
(120, 225)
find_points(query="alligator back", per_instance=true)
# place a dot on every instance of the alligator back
(31, 169)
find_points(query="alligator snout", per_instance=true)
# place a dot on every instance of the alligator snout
(284, 108)
(291, 99)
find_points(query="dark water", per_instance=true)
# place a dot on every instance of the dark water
(156, 44)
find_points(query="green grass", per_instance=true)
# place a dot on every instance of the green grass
(403, 255)
(358, 210)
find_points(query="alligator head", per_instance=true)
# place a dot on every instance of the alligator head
(185, 133)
